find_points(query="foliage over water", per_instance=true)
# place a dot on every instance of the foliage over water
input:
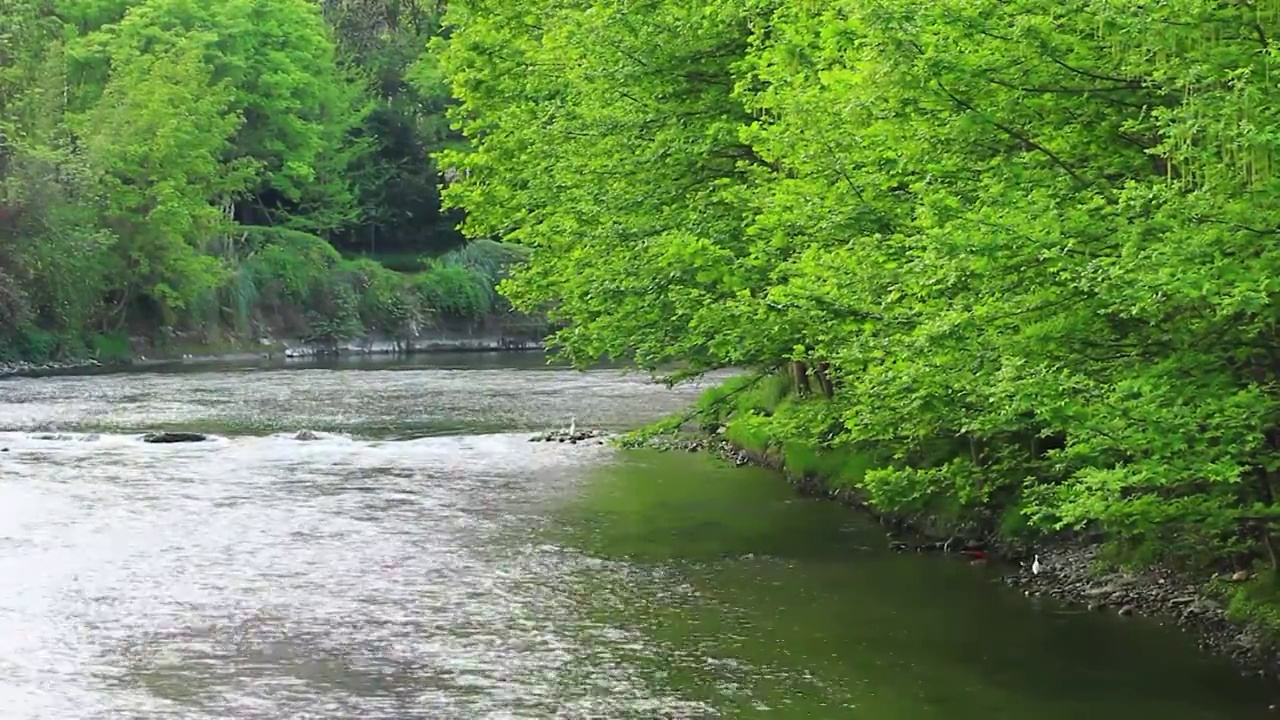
(1022, 253)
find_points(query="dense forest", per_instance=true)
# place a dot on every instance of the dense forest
(213, 170)
(1013, 261)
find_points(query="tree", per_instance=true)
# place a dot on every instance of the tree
(607, 139)
(158, 136)
(384, 42)
(277, 61)
(1024, 247)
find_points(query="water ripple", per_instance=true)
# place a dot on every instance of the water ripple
(257, 576)
(387, 571)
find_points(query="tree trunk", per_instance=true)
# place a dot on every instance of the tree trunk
(1268, 482)
(800, 378)
(820, 371)
(1273, 552)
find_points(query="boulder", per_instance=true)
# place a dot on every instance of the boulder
(173, 437)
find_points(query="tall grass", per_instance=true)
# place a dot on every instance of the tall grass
(240, 297)
(490, 259)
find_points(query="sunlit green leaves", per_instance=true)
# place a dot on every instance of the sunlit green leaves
(1043, 230)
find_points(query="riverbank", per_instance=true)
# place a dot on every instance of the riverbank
(145, 352)
(20, 368)
(1072, 570)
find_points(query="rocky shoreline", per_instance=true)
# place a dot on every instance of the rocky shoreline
(572, 436)
(301, 351)
(1068, 571)
(1069, 575)
(15, 369)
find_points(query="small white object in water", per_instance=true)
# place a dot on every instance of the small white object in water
(1035, 566)
(573, 425)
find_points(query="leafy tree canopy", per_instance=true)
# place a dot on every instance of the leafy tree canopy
(1039, 232)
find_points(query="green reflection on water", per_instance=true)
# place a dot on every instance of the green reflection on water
(762, 604)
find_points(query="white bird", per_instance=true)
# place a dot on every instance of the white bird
(1035, 566)
(573, 424)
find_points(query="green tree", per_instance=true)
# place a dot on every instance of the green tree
(158, 136)
(607, 139)
(277, 62)
(1022, 248)
(384, 43)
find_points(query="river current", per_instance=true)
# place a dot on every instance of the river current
(423, 559)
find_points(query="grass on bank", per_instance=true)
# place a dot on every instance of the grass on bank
(759, 414)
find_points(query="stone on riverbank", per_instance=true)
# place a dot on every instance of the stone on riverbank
(17, 369)
(722, 448)
(173, 437)
(574, 437)
(306, 436)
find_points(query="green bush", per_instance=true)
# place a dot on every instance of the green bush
(717, 402)
(842, 467)
(349, 297)
(294, 263)
(14, 310)
(1257, 604)
(239, 296)
(749, 432)
(110, 347)
(334, 312)
(385, 300)
(490, 258)
(402, 261)
(38, 345)
(454, 291)
(492, 261)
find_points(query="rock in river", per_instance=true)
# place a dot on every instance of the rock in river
(574, 436)
(173, 437)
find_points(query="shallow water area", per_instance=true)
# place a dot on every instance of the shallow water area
(422, 559)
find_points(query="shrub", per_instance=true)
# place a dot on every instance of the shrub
(38, 345)
(385, 300)
(239, 295)
(14, 311)
(491, 260)
(334, 312)
(292, 263)
(401, 261)
(454, 290)
(110, 347)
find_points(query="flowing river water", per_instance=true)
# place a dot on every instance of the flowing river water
(423, 560)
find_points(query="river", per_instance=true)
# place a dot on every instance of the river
(423, 560)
